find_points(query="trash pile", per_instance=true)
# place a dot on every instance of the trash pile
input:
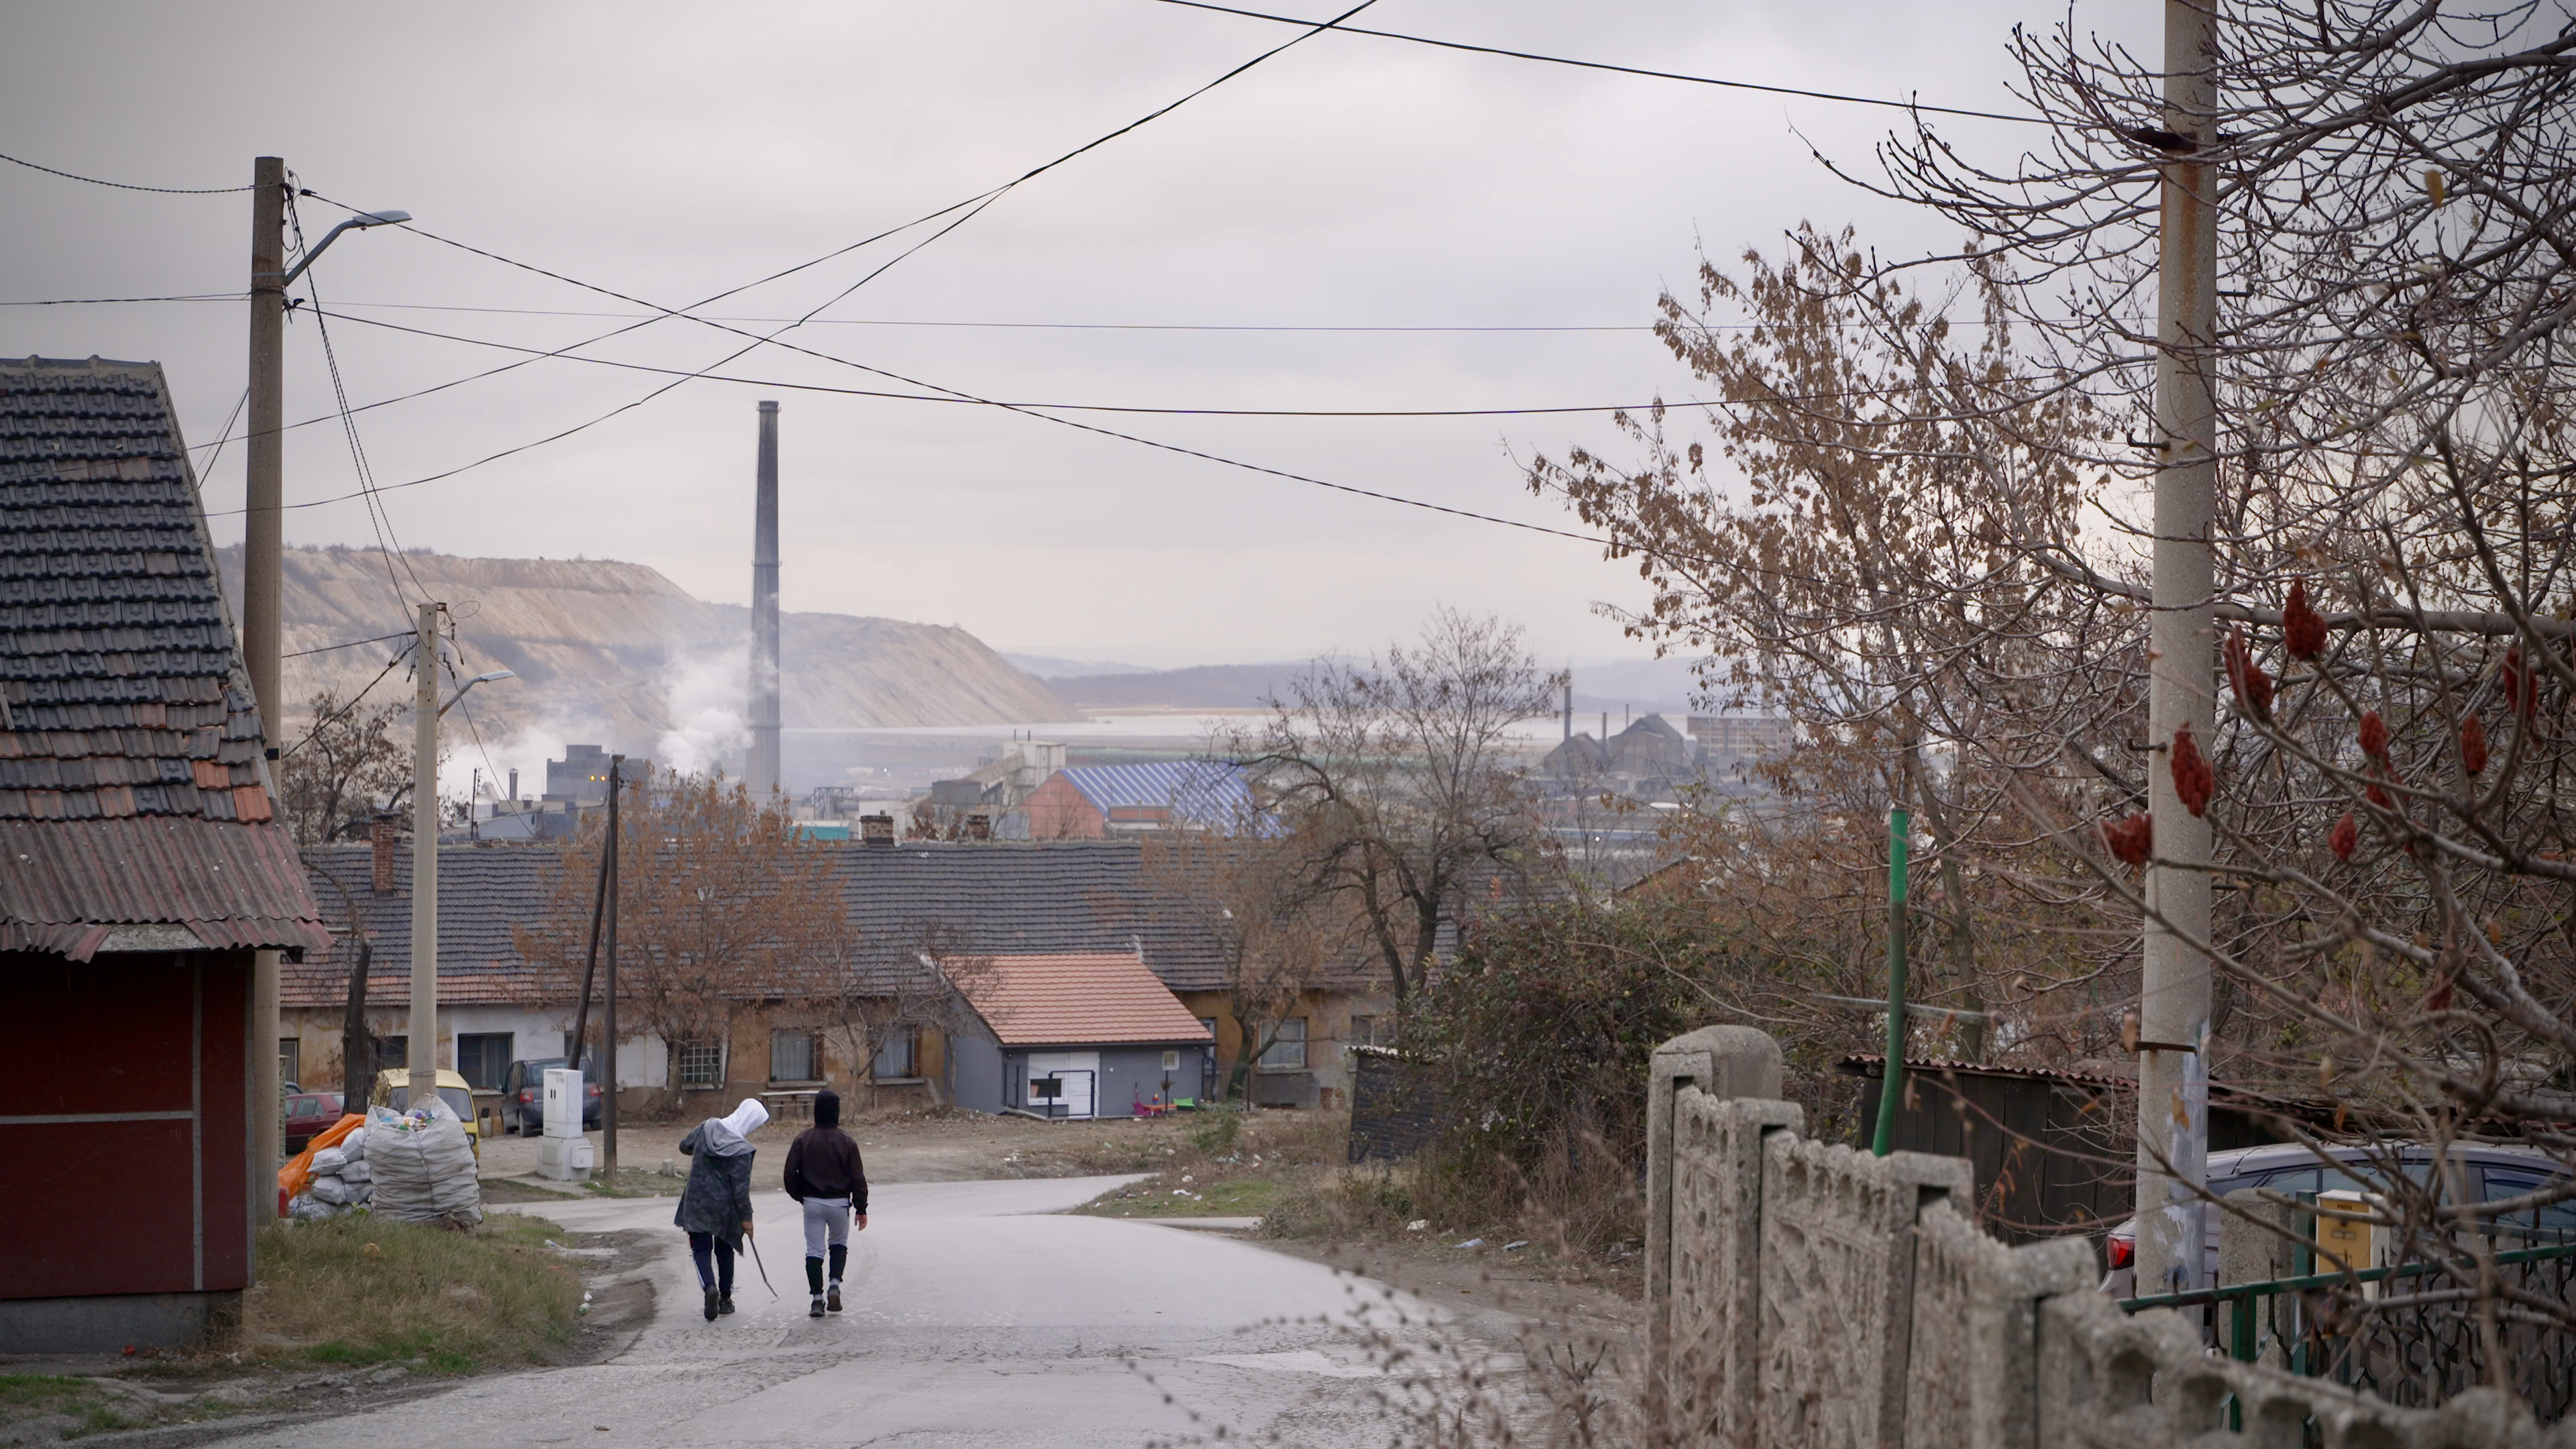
(414, 1166)
(330, 1176)
(422, 1166)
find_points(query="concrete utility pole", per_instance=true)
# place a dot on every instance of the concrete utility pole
(424, 860)
(763, 774)
(262, 599)
(2173, 1005)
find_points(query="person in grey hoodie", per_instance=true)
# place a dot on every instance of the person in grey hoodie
(715, 1207)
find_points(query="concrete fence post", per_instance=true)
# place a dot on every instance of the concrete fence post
(1735, 1073)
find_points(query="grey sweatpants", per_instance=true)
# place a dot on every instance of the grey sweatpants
(827, 1221)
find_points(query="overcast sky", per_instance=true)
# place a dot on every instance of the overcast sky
(672, 152)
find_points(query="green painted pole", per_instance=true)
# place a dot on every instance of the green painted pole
(1891, 1092)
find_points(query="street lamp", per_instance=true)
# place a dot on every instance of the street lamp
(361, 221)
(469, 684)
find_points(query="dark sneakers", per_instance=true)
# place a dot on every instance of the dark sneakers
(816, 1311)
(835, 1299)
(712, 1305)
(724, 1305)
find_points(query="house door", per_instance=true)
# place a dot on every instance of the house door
(1075, 1074)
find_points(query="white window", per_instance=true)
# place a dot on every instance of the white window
(701, 1066)
(1287, 1050)
(795, 1055)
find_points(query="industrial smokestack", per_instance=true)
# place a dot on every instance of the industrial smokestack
(763, 773)
(1569, 706)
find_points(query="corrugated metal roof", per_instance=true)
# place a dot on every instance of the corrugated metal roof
(1075, 999)
(1209, 793)
(130, 775)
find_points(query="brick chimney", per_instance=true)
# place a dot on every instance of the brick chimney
(382, 839)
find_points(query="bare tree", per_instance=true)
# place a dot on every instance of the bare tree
(721, 906)
(893, 989)
(1934, 558)
(1400, 779)
(344, 770)
(1279, 933)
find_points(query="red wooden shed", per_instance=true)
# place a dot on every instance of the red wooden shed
(140, 869)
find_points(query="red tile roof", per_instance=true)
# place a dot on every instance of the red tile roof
(1076, 999)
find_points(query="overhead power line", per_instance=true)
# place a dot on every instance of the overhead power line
(125, 185)
(1702, 80)
(948, 396)
(102, 301)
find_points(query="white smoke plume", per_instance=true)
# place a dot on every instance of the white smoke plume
(706, 700)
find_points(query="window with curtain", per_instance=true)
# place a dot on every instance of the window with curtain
(898, 1056)
(1287, 1050)
(795, 1055)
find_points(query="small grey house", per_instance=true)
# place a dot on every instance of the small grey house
(1074, 1036)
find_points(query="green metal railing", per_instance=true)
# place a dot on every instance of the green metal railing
(2419, 1354)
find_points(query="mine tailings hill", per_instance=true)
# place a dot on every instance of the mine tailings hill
(615, 651)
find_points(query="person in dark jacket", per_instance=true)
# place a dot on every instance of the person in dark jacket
(715, 1207)
(825, 1174)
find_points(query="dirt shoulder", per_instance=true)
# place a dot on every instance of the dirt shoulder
(257, 1380)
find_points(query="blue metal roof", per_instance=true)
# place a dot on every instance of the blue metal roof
(1209, 793)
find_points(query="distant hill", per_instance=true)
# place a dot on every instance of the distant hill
(1048, 666)
(618, 653)
(1206, 686)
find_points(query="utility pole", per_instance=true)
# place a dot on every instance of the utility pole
(262, 542)
(2173, 989)
(424, 860)
(608, 1092)
(763, 772)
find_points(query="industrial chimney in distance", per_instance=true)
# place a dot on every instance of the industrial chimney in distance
(763, 772)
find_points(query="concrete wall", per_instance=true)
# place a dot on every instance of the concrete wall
(1325, 1081)
(1800, 1294)
(975, 1071)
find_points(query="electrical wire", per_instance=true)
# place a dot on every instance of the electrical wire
(103, 301)
(386, 539)
(1023, 326)
(127, 185)
(957, 398)
(352, 644)
(964, 211)
(224, 435)
(1703, 80)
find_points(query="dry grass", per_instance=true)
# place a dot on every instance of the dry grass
(1581, 1215)
(362, 1290)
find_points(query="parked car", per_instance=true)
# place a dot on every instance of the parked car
(309, 1114)
(523, 1095)
(393, 1089)
(2290, 1168)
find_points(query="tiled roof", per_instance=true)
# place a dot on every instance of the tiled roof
(123, 702)
(985, 898)
(993, 898)
(483, 890)
(1076, 999)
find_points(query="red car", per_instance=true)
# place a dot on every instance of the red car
(309, 1114)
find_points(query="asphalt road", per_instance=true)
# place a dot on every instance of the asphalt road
(978, 1315)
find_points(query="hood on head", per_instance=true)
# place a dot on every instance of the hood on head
(747, 1118)
(827, 1108)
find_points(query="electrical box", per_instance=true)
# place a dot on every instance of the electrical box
(563, 1102)
(2348, 1239)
